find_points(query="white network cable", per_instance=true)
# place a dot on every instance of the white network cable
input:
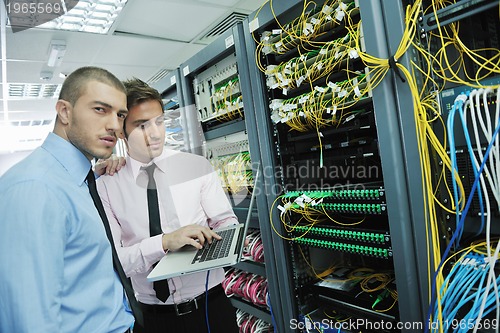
(476, 115)
(491, 258)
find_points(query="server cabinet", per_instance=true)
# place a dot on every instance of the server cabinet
(176, 130)
(320, 131)
(372, 122)
(433, 77)
(215, 84)
(453, 214)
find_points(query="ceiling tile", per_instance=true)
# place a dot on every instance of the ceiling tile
(250, 5)
(154, 19)
(228, 3)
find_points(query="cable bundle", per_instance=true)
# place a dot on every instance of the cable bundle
(227, 100)
(439, 311)
(311, 24)
(476, 106)
(234, 171)
(251, 324)
(311, 66)
(463, 290)
(250, 287)
(318, 108)
(255, 249)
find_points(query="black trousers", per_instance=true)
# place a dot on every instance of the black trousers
(221, 318)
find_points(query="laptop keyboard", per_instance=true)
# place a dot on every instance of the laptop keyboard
(218, 249)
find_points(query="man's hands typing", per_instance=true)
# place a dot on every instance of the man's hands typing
(193, 234)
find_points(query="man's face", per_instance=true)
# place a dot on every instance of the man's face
(95, 119)
(145, 131)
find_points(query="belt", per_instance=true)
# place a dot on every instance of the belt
(184, 307)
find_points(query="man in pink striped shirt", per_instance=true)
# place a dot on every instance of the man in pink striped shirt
(191, 202)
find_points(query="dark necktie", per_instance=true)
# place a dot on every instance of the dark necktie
(127, 285)
(160, 287)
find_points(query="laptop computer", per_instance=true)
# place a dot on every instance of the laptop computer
(225, 252)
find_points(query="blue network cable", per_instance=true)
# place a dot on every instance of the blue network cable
(456, 287)
(467, 273)
(465, 292)
(470, 318)
(453, 157)
(271, 311)
(454, 270)
(472, 314)
(473, 163)
(460, 224)
(206, 302)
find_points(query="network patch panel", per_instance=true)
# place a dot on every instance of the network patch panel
(347, 208)
(320, 105)
(218, 93)
(364, 250)
(373, 237)
(311, 66)
(320, 102)
(227, 145)
(362, 193)
(230, 157)
(320, 20)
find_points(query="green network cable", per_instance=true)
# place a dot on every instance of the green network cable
(354, 208)
(338, 194)
(346, 247)
(362, 236)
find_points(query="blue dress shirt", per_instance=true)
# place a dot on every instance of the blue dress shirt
(56, 270)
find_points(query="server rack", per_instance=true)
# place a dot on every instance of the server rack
(216, 92)
(411, 250)
(472, 26)
(399, 116)
(174, 110)
(399, 156)
(422, 120)
(282, 148)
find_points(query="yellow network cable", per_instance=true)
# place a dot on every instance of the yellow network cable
(446, 69)
(321, 275)
(312, 65)
(435, 69)
(233, 171)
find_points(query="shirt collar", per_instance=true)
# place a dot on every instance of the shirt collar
(70, 157)
(136, 166)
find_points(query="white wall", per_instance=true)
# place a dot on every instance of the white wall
(7, 160)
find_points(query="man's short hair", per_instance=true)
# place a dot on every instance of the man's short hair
(75, 84)
(139, 91)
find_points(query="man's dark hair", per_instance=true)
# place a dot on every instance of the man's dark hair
(139, 92)
(75, 84)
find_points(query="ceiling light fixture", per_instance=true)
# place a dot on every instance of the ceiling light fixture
(23, 91)
(88, 16)
(57, 49)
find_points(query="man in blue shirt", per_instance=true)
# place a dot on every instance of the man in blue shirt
(56, 268)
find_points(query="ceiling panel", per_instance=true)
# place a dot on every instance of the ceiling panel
(29, 71)
(149, 36)
(24, 109)
(159, 19)
(228, 3)
(250, 5)
(139, 51)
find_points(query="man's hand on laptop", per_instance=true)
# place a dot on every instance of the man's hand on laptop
(193, 234)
